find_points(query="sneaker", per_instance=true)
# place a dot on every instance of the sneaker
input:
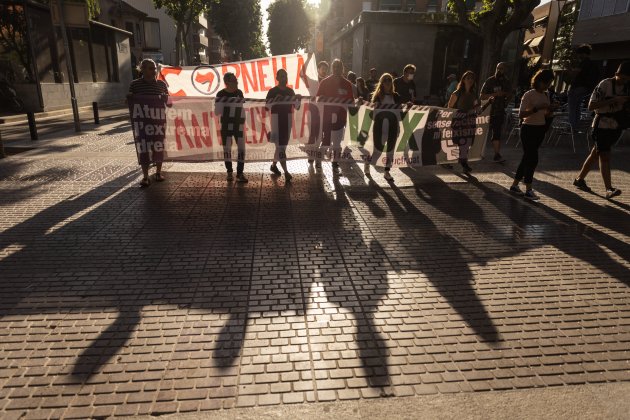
(230, 176)
(581, 184)
(612, 192)
(517, 190)
(275, 170)
(531, 195)
(288, 177)
(241, 178)
(388, 176)
(366, 168)
(498, 158)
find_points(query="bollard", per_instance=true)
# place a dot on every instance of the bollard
(2, 154)
(32, 126)
(95, 110)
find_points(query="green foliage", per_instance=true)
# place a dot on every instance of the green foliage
(13, 35)
(563, 51)
(239, 22)
(289, 26)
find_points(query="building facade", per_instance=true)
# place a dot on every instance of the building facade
(37, 64)
(605, 24)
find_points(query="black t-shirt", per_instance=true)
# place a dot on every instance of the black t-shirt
(223, 93)
(276, 91)
(588, 75)
(406, 90)
(492, 85)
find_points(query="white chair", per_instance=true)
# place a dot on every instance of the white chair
(560, 127)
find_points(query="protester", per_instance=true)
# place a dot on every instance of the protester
(281, 128)
(362, 90)
(352, 78)
(322, 73)
(149, 85)
(337, 87)
(610, 103)
(405, 86)
(465, 99)
(586, 77)
(535, 107)
(384, 94)
(372, 81)
(229, 129)
(451, 86)
(498, 87)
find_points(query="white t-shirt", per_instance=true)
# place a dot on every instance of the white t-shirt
(534, 99)
(607, 89)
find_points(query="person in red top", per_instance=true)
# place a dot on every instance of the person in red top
(338, 87)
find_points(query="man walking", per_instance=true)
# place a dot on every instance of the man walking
(610, 103)
(583, 83)
(498, 87)
(404, 85)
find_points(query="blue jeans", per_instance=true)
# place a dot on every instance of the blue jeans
(576, 96)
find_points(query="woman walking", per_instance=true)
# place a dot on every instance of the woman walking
(535, 107)
(465, 99)
(384, 94)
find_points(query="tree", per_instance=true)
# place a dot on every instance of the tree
(13, 35)
(239, 22)
(289, 26)
(563, 51)
(493, 23)
(184, 13)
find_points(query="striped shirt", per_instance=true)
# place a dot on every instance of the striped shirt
(142, 87)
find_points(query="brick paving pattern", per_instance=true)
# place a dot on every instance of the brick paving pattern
(197, 294)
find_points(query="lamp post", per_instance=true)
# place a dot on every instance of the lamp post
(66, 49)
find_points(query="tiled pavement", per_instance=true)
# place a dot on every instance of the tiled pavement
(197, 294)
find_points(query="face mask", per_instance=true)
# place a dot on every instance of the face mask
(410, 77)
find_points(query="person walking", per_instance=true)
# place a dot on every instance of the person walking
(404, 85)
(535, 107)
(498, 87)
(229, 128)
(465, 99)
(384, 94)
(586, 77)
(362, 90)
(610, 102)
(337, 87)
(152, 147)
(281, 130)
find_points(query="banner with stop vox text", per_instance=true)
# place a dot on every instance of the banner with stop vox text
(199, 129)
(255, 77)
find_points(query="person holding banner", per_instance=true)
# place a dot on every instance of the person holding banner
(322, 73)
(384, 96)
(535, 108)
(229, 106)
(498, 87)
(150, 146)
(281, 121)
(405, 86)
(336, 87)
(465, 99)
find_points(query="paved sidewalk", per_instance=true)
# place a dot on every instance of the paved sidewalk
(197, 294)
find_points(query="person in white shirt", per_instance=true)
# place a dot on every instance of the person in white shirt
(535, 107)
(608, 101)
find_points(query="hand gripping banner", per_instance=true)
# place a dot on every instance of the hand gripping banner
(202, 129)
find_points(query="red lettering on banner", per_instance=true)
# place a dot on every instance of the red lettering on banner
(165, 71)
(178, 93)
(274, 66)
(261, 74)
(247, 77)
(198, 132)
(235, 67)
(262, 114)
(300, 64)
(180, 130)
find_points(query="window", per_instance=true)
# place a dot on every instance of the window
(104, 55)
(591, 9)
(432, 6)
(367, 6)
(390, 5)
(44, 46)
(138, 34)
(79, 40)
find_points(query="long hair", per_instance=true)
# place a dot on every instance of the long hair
(542, 76)
(461, 86)
(378, 91)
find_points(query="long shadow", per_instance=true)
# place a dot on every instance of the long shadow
(449, 273)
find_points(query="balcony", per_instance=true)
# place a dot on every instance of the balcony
(200, 40)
